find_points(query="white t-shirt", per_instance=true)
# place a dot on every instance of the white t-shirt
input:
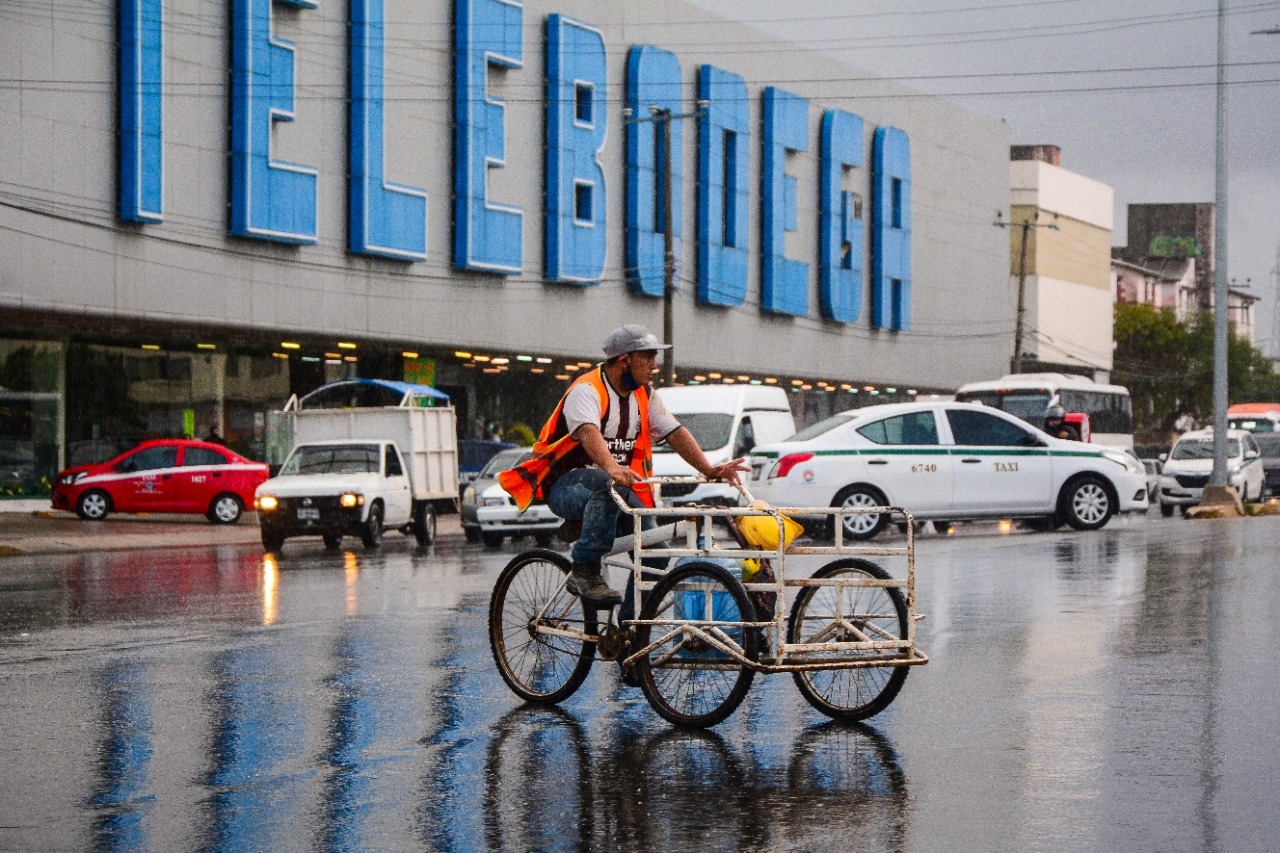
(622, 425)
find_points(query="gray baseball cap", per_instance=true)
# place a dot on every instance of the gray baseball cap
(631, 338)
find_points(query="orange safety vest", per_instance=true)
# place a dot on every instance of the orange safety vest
(524, 482)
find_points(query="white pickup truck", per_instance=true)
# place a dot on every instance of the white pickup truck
(361, 470)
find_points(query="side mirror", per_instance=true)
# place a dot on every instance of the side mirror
(1251, 454)
(1164, 457)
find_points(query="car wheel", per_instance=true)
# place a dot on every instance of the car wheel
(472, 534)
(225, 509)
(491, 540)
(863, 525)
(1166, 510)
(331, 541)
(272, 540)
(371, 531)
(543, 540)
(94, 505)
(424, 524)
(944, 527)
(1086, 503)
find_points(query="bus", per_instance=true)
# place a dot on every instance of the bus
(1254, 417)
(1028, 395)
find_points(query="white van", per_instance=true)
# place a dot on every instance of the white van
(727, 421)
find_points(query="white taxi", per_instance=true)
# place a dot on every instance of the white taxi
(946, 462)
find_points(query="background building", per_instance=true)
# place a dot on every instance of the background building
(1060, 254)
(1178, 240)
(205, 209)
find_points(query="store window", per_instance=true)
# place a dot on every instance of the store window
(31, 416)
(120, 395)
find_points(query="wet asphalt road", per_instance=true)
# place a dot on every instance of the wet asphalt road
(1109, 691)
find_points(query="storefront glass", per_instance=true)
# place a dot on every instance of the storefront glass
(31, 409)
(123, 395)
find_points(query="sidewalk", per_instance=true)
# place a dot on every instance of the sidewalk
(32, 527)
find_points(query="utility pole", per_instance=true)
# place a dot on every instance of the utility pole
(668, 255)
(1218, 476)
(661, 117)
(1275, 308)
(1015, 364)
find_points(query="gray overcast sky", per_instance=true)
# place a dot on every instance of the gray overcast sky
(1125, 87)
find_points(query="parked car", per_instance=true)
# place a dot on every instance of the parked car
(1152, 467)
(946, 462)
(167, 475)
(489, 514)
(1269, 445)
(1187, 470)
(473, 455)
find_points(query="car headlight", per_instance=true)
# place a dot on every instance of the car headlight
(266, 503)
(69, 479)
(350, 499)
(1130, 464)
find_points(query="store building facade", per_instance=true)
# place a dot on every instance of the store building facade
(206, 209)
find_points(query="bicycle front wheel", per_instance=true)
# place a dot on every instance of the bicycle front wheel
(538, 630)
(690, 677)
(844, 614)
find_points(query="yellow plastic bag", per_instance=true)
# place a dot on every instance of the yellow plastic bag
(762, 530)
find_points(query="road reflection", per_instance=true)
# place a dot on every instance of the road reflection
(1094, 693)
(548, 787)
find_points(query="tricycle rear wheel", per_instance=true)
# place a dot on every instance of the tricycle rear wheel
(828, 614)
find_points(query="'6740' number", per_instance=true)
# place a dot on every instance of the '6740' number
(925, 468)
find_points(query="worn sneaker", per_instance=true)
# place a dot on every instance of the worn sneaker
(586, 583)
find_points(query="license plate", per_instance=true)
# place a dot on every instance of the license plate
(309, 514)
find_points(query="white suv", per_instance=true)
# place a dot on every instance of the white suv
(1187, 468)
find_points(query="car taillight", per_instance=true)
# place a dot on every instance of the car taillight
(786, 463)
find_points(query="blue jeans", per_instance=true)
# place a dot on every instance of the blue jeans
(583, 493)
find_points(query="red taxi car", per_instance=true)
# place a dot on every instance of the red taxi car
(167, 475)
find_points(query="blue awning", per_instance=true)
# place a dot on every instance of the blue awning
(404, 392)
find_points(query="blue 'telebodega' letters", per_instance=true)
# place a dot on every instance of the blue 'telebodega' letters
(891, 230)
(723, 132)
(840, 221)
(384, 219)
(270, 199)
(784, 283)
(486, 235)
(141, 111)
(577, 224)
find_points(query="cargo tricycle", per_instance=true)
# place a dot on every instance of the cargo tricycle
(706, 610)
